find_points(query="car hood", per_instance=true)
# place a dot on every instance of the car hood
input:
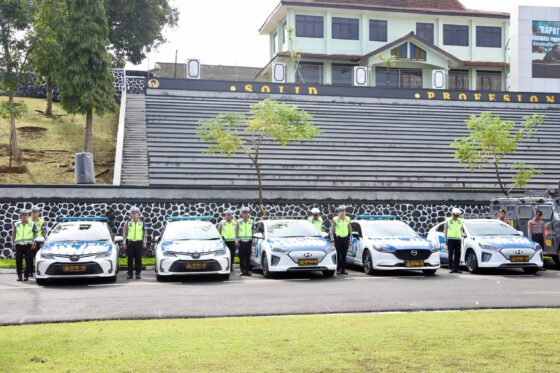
(76, 248)
(507, 242)
(404, 243)
(300, 243)
(192, 246)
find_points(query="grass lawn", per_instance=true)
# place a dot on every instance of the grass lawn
(48, 145)
(11, 263)
(477, 341)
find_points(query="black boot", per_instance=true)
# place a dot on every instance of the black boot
(138, 276)
(129, 276)
(19, 278)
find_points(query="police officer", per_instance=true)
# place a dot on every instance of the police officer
(535, 230)
(316, 219)
(244, 240)
(22, 238)
(136, 242)
(227, 230)
(453, 231)
(340, 233)
(40, 230)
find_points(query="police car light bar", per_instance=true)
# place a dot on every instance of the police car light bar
(189, 218)
(376, 217)
(90, 218)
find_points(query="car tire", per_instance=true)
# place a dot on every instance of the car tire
(429, 272)
(531, 270)
(471, 262)
(328, 274)
(556, 259)
(367, 262)
(160, 278)
(264, 265)
(41, 282)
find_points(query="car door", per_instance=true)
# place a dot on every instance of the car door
(548, 216)
(357, 244)
(437, 237)
(256, 249)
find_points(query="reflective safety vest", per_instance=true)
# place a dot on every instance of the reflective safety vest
(341, 226)
(454, 229)
(317, 223)
(135, 231)
(245, 230)
(24, 233)
(228, 230)
(39, 226)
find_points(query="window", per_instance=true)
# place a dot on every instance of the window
(309, 26)
(345, 28)
(310, 73)
(458, 79)
(400, 52)
(398, 78)
(456, 35)
(284, 35)
(425, 31)
(417, 53)
(377, 30)
(490, 37)
(343, 74)
(489, 80)
(275, 43)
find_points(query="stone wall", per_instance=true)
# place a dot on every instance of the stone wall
(420, 216)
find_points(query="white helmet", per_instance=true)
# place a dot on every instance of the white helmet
(315, 211)
(456, 211)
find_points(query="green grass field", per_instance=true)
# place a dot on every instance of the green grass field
(48, 145)
(477, 341)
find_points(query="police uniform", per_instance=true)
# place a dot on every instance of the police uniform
(340, 233)
(454, 242)
(136, 238)
(227, 231)
(40, 230)
(23, 236)
(317, 223)
(244, 238)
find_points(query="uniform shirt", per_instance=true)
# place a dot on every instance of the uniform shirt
(535, 227)
(333, 226)
(125, 230)
(29, 223)
(36, 227)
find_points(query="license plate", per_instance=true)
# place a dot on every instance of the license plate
(308, 262)
(74, 268)
(197, 265)
(414, 263)
(548, 243)
(518, 259)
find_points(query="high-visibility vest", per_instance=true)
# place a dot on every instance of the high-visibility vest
(228, 230)
(24, 233)
(454, 229)
(39, 226)
(135, 231)
(317, 223)
(245, 230)
(341, 226)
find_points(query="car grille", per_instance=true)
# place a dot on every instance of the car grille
(407, 254)
(181, 266)
(57, 269)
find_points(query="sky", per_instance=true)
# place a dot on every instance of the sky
(225, 32)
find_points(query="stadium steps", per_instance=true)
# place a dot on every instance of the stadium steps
(135, 151)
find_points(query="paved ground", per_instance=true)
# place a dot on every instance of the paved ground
(293, 294)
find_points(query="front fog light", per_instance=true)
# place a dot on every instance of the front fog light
(274, 260)
(486, 257)
(334, 258)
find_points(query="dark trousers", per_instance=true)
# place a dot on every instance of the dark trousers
(24, 252)
(231, 247)
(244, 253)
(454, 251)
(134, 252)
(538, 238)
(341, 245)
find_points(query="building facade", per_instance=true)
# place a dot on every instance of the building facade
(401, 42)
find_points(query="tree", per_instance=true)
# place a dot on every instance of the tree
(87, 83)
(269, 121)
(136, 27)
(389, 62)
(15, 20)
(490, 140)
(47, 41)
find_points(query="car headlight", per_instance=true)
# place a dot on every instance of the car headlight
(105, 254)
(383, 249)
(279, 250)
(169, 254)
(47, 256)
(434, 249)
(490, 247)
(220, 252)
(330, 249)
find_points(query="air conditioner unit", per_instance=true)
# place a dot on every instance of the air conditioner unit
(360, 76)
(439, 79)
(193, 69)
(279, 72)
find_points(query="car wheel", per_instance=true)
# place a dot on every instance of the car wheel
(265, 270)
(471, 262)
(429, 272)
(41, 282)
(328, 274)
(531, 270)
(368, 263)
(160, 278)
(224, 277)
(556, 259)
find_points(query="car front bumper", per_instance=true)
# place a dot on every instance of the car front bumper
(184, 265)
(289, 262)
(497, 260)
(389, 262)
(84, 268)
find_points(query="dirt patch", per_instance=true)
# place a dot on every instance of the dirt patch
(17, 170)
(32, 132)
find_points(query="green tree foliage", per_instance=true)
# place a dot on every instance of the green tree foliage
(87, 82)
(136, 27)
(490, 140)
(15, 21)
(269, 121)
(46, 44)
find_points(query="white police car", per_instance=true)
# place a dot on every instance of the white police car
(382, 243)
(78, 248)
(291, 246)
(191, 246)
(493, 244)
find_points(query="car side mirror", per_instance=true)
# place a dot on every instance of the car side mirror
(356, 234)
(119, 239)
(521, 233)
(39, 240)
(258, 236)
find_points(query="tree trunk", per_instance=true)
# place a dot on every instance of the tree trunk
(50, 88)
(261, 192)
(14, 150)
(502, 187)
(88, 143)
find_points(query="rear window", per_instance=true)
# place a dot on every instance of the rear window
(525, 212)
(547, 211)
(90, 232)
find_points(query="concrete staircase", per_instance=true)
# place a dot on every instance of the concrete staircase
(135, 151)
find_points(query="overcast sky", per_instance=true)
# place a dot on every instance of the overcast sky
(225, 32)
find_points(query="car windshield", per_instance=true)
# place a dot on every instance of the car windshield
(292, 229)
(490, 228)
(388, 229)
(90, 232)
(186, 231)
